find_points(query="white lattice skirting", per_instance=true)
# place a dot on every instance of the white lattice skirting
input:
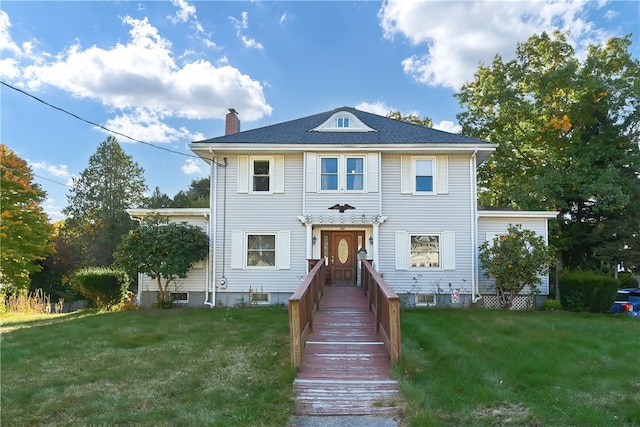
(521, 302)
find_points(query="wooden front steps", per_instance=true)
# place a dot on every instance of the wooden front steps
(346, 369)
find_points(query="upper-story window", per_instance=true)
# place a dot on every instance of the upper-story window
(260, 173)
(329, 173)
(343, 122)
(355, 173)
(424, 175)
(342, 173)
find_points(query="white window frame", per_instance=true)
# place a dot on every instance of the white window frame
(430, 267)
(431, 297)
(254, 300)
(434, 175)
(239, 249)
(275, 250)
(343, 172)
(252, 161)
(179, 301)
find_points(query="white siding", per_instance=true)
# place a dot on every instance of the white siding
(488, 228)
(196, 278)
(446, 214)
(260, 213)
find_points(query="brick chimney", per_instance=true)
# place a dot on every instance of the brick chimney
(232, 124)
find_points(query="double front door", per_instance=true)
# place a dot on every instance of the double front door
(340, 252)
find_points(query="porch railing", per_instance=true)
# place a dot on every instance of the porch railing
(385, 306)
(302, 306)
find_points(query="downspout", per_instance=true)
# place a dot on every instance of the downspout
(375, 229)
(475, 295)
(211, 267)
(223, 279)
(140, 275)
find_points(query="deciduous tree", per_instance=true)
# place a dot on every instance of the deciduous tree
(162, 250)
(411, 118)
(515, 260)
(567, 132)
(25, 230)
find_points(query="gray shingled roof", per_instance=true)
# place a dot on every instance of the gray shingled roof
(388, 131)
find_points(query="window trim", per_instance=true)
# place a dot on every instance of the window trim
(179, 301)
(247, 234)
(260, 302)
(343, 172)
(252, 175)
(432, 303)
(414, 175)
(440, 249)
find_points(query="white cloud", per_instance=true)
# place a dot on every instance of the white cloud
(459, 35)
(140, 80)
(448, 126)
(59, 171)
(184, 12)
(241, 25)
(192, 167)
(379, 108)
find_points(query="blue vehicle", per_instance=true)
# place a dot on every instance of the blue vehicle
(627, 301)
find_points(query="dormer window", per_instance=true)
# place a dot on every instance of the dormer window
(343, 121)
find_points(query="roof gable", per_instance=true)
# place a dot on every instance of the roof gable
(343, 121)
(305, 131)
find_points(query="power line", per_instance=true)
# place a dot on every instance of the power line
(54, 181)
(95, 124)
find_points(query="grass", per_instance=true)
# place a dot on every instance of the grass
(227, 367)
(485, 367)
(177, 367)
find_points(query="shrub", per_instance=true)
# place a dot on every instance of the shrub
(587, 290)
(552, 304)
(627, 280)
(105, 286)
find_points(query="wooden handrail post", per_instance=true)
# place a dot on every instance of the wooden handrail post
(384, 304)
(294, 333)
(302, 306)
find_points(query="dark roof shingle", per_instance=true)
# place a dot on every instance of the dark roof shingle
(388, 131)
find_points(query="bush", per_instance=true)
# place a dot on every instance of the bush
(587, 290)
(105, 286)
(552, 304)
(627, 280)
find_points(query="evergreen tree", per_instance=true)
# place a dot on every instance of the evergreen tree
(111, 183)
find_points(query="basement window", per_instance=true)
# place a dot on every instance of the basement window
(180, 297)
(425, 300)
(259, 297)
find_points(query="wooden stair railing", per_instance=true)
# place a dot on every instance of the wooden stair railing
(385, 306)
(302, 306)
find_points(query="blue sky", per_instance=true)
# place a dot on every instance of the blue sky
(165, 72)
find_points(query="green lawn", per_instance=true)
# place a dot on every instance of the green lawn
(230, 367)
(481, 367)
(181, 367)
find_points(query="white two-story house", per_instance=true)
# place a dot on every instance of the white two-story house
(337, 186)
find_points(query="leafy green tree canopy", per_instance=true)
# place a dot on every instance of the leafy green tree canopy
(111, 183)
(516, 260)
(411, 118)
(567, 132)
(162, 250)
(25, 230)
